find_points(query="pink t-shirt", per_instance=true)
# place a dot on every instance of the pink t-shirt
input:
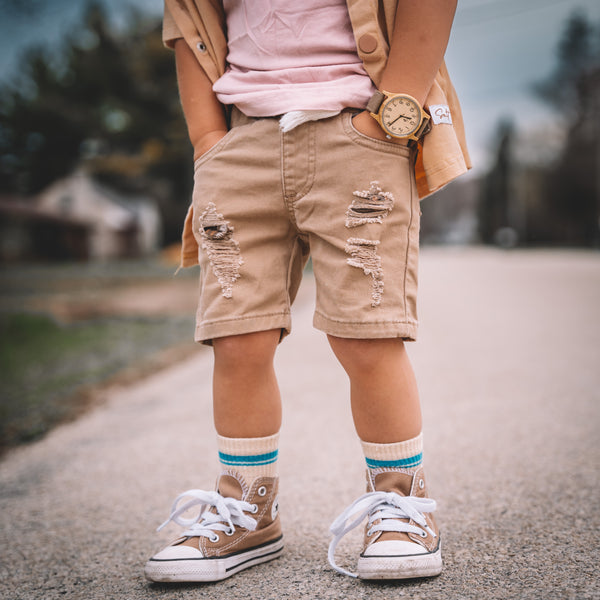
(285, 56)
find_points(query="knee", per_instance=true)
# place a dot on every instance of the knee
(249, 350)
(361, 356)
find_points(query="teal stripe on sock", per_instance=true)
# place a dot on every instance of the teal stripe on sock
(248, 461)
(413, 461)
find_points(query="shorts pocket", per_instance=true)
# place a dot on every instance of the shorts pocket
(372, 143)
(214, 150)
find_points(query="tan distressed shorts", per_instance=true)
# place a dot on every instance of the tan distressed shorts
(265, 200)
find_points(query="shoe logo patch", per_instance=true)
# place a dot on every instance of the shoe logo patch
(275, 508)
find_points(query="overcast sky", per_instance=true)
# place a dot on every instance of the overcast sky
(497, 51)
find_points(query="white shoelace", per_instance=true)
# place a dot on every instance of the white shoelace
(384, 506)
(229, 513)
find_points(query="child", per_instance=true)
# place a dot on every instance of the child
(310, 137)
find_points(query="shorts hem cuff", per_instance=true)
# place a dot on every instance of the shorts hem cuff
(207, 331)
(362, 330)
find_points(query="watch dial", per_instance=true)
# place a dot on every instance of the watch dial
(400, 116)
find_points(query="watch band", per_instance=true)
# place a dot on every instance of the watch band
(375, 102)
(424, 128)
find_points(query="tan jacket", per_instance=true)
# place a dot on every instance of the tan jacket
(444, 153)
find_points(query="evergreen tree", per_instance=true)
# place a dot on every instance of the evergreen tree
(110, 104)
(573, 89)
(495, 197)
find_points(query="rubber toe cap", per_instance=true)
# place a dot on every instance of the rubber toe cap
(394, 548)
(177, 553)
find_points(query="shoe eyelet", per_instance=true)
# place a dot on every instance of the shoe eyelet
(254, 509)
(229, 531)
(214, 538)
(262, 491)
(421, 484)
(423, 533)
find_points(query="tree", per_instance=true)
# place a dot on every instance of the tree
(109, 104)
(573, 89)
(494, 202)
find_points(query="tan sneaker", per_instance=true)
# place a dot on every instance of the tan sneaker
(402, 540)
(238, 527)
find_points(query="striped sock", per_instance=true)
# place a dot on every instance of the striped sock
(406, 455)
(250, 457)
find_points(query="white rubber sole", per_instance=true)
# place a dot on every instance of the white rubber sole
(213, 568)
(400, 567)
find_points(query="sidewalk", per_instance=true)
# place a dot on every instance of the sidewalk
(507, 362)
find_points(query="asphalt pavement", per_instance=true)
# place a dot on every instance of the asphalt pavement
(508, 363)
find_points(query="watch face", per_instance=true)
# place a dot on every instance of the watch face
(401, 116)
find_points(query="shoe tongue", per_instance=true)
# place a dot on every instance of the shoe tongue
(394, 481)
(230, 487)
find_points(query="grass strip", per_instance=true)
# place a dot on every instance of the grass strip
(43, 363)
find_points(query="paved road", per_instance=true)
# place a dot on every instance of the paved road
(508, 364)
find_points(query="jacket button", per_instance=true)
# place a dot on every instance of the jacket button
(367, 43)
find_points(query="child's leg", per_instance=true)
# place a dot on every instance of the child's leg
(246, 396)
(247, 404)
(251, 261)
(383, 389)
(239, 525)
(402, 539)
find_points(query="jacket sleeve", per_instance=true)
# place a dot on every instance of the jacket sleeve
(201, 23)
(170, 31)
(445, 155)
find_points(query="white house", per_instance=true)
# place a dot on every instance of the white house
(118, 226)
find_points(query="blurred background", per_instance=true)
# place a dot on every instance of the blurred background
(96, 176)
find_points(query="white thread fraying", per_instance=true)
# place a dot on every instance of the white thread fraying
(222, 250)
(369, 206)
(363, 255)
